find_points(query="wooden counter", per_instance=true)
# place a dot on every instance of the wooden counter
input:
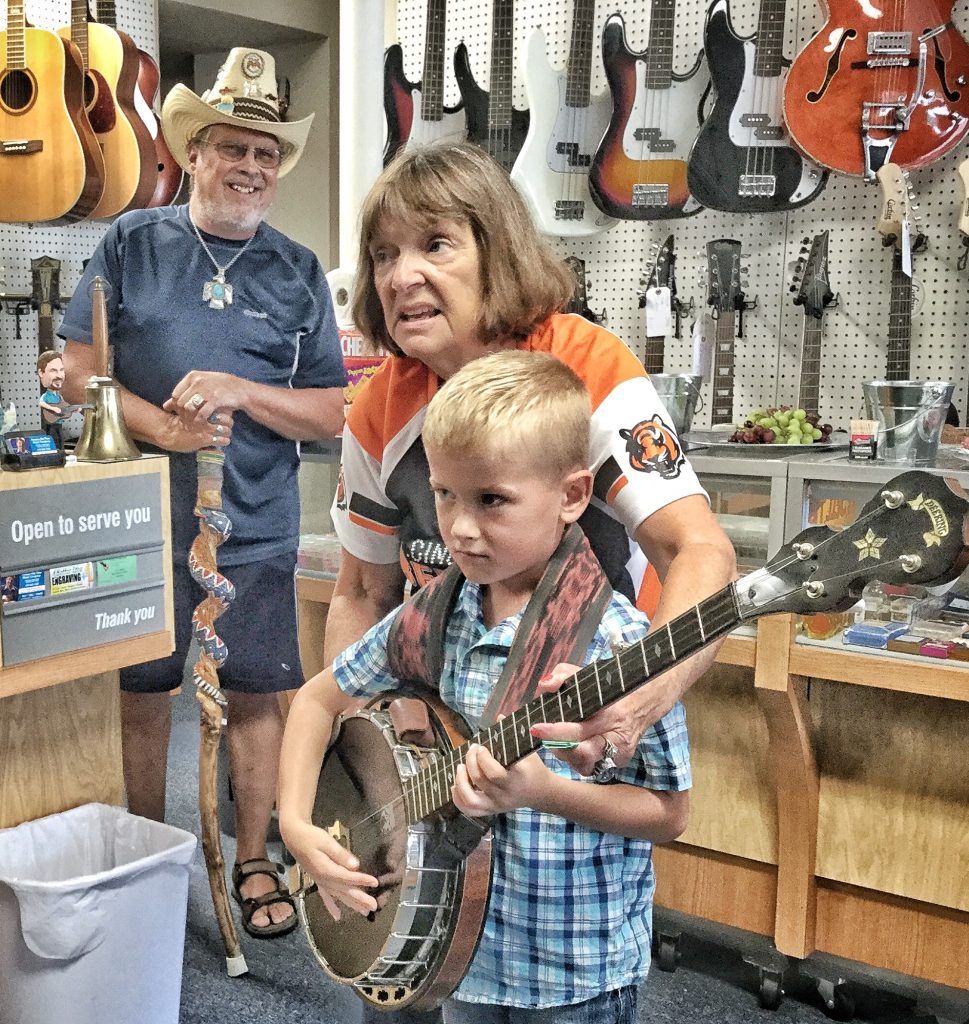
(60, 740)
(831, 804)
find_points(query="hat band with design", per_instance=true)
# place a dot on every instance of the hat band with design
(248, 108)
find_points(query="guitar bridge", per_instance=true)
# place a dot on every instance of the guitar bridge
(650, 195)
(20, 147)
(759, 185)
(569, 209)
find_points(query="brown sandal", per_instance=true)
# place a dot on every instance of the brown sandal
(250, 904)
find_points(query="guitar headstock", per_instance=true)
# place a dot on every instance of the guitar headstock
(898, 205)
(811, 286)
(723, 275)
(45, 276)
(659, 268)
(912, 531)
(579, 303)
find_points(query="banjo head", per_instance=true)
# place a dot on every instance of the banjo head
(415, 948)
(359, 778)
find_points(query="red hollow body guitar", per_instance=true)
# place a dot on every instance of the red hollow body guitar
(880, 84)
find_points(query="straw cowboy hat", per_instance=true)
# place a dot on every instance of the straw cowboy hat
(245, 95)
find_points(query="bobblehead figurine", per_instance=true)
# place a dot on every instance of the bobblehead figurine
(50, 370)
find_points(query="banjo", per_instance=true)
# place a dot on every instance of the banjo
(387, 795)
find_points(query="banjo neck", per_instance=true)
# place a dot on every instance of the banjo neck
(589, 690)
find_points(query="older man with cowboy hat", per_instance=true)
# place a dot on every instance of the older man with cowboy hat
(224, 335)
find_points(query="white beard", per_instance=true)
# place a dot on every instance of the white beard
(213, 214)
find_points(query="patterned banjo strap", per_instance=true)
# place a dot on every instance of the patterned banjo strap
(558, 624)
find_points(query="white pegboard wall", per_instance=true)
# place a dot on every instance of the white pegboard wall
(71, 244)
(767, 357)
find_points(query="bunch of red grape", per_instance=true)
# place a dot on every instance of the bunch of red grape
(782, 425)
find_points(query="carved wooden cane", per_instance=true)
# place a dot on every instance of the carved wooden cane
(214, 528)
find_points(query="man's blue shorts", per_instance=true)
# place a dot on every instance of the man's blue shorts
(259, 629)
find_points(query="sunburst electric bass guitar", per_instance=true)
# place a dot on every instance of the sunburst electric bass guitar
(639, 169)
(415, 111)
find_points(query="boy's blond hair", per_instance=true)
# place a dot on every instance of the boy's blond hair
(514, 402)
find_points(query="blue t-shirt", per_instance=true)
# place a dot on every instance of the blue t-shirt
(279, 330)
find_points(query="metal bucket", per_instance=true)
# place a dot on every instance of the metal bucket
(910, 415)
(679, 392)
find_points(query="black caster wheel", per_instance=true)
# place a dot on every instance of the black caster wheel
(667, 952)
(770, 992)
(838, 1002)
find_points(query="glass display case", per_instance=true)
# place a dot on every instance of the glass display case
(748, 497)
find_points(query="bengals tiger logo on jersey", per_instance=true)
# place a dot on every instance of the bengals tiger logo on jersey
(653, 448)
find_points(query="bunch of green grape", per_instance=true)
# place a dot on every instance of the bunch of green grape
(782, 425)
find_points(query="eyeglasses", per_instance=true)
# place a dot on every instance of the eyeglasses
(234, 152)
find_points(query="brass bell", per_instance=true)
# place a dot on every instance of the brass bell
(105, 436)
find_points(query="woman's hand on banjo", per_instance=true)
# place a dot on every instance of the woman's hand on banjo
(620, 724)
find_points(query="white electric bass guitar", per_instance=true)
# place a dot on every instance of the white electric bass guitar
(567, 122)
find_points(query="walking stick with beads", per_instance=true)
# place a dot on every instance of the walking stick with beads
(214, 528)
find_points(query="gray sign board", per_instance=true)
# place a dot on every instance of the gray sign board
(40, 526)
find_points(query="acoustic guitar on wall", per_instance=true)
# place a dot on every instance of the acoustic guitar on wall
(167, 174)
(110, 61)
(51, 168)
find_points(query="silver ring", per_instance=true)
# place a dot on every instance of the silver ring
(220, 429)
(215, 439)
(605, 769)
(196, 401)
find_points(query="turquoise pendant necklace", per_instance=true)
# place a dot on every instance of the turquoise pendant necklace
(217, 292)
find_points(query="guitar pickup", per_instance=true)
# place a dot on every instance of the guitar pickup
(653, 137)
(763, 185)
(569, 209)
(20, 147)
(650, 195)
(896, 43)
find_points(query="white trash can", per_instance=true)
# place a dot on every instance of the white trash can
(92, 918)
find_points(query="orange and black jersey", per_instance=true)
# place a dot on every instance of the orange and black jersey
(384, 508)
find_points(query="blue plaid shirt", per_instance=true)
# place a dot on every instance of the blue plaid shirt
(570, 914)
